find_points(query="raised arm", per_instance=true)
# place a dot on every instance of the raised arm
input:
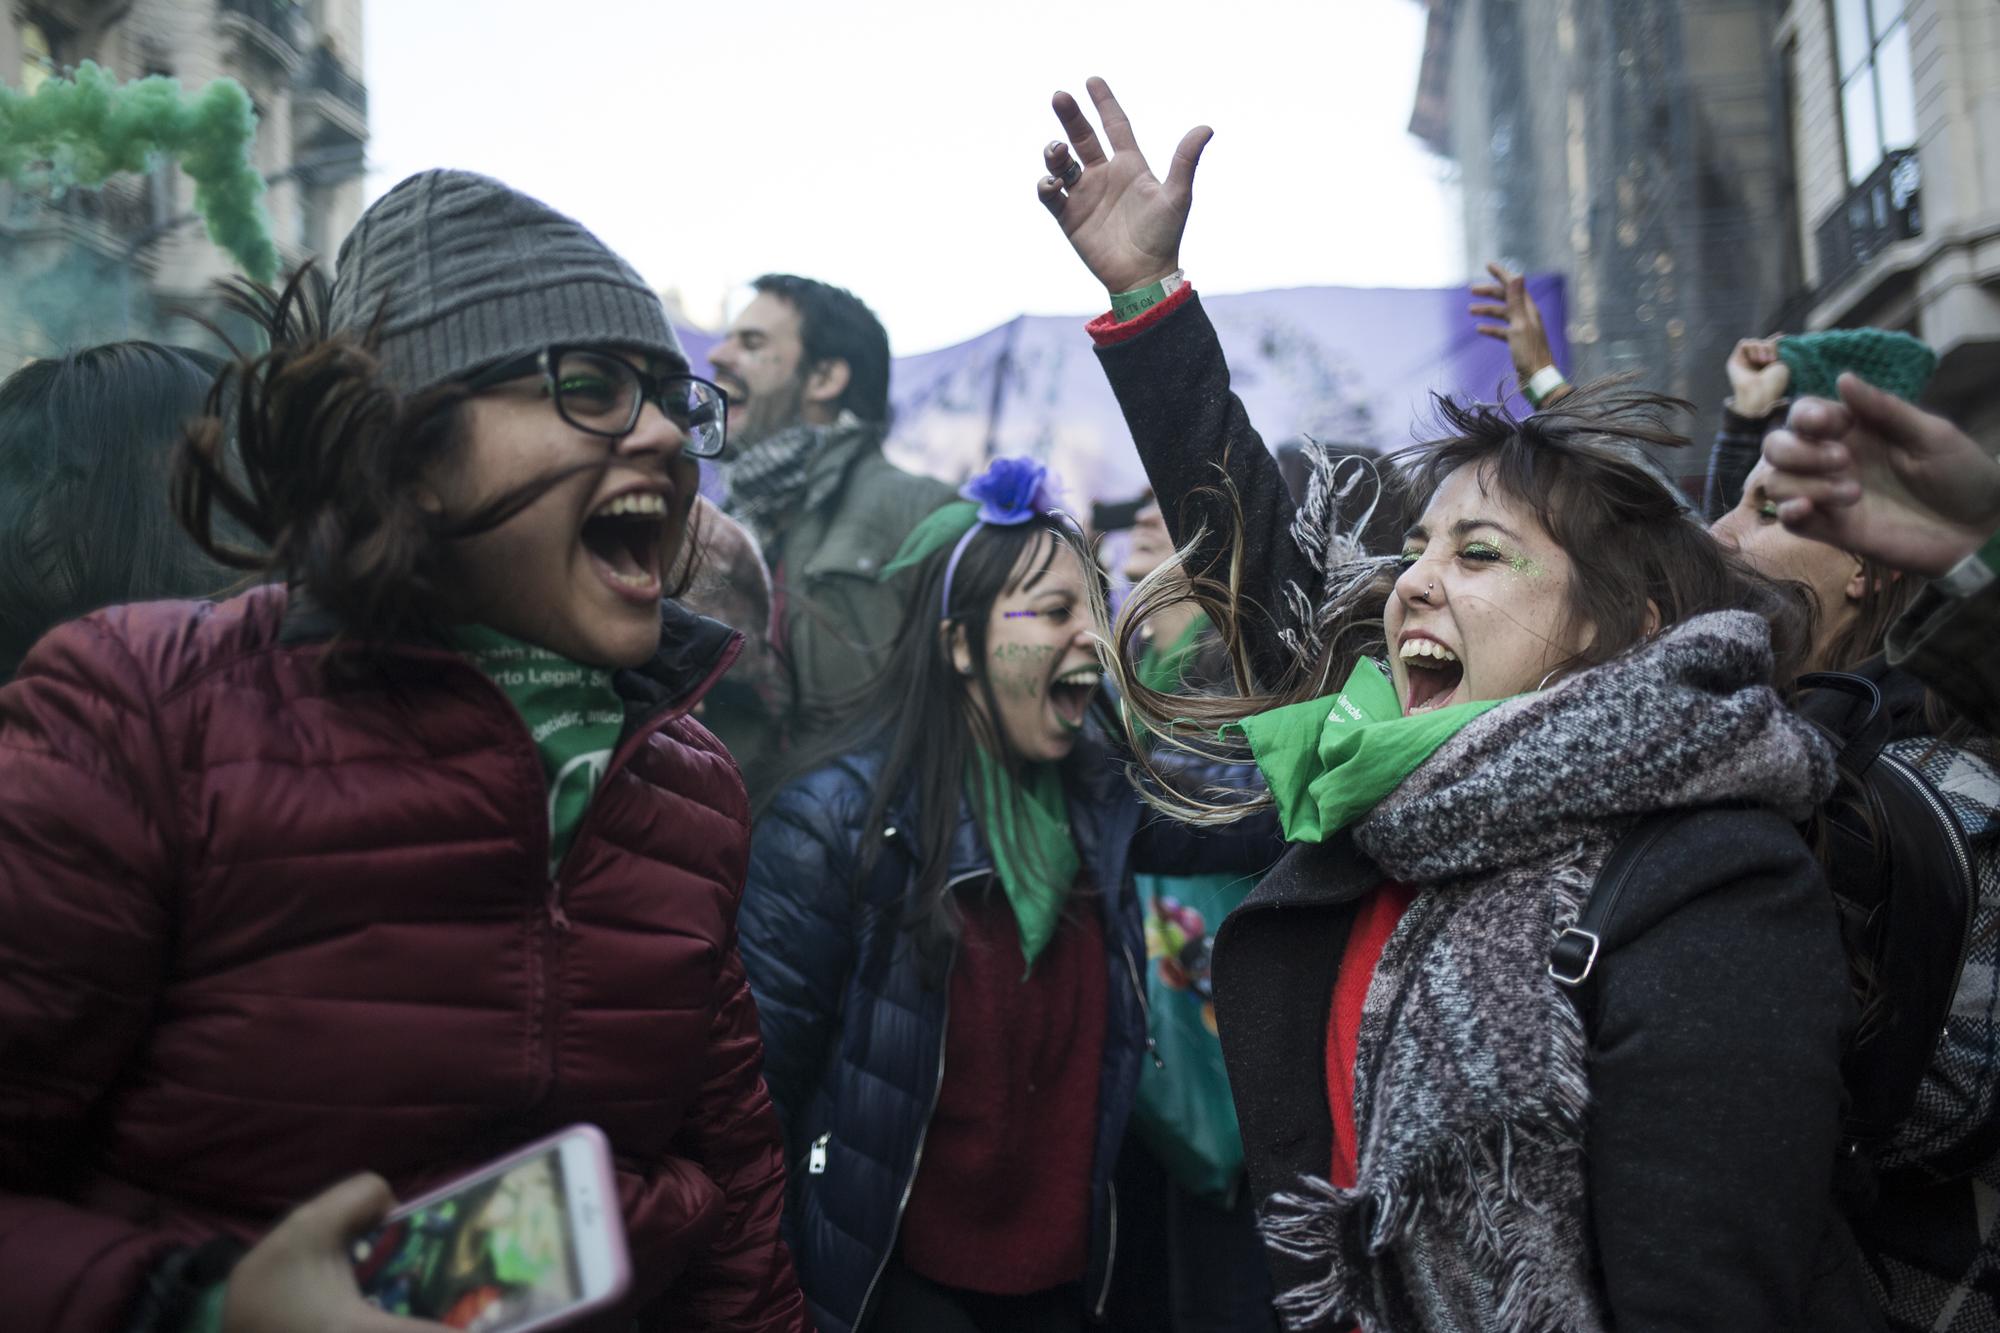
(1757, 384)
(1506, 299)
(1166, 365)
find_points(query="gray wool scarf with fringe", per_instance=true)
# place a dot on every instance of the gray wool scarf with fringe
(1472, 1086)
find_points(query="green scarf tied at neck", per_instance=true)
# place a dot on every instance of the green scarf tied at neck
(571, 710)
(1027, 830)
(1328, 761)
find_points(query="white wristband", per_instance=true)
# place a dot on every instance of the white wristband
(1543, 383)
(1970, 576)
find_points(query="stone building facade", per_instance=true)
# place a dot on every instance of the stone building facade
(1895, 142)
(1706, 170)
(100, 264)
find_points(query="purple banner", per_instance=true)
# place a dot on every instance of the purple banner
(1343, 365)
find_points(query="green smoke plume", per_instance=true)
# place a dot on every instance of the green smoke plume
(90, 127)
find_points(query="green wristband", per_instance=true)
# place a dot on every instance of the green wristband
(206, 1314)
(1130, 305)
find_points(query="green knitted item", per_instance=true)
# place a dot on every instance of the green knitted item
(1893, 362)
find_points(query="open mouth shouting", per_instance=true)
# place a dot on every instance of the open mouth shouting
(1070, 694)
(1433, 673)
(625, 536)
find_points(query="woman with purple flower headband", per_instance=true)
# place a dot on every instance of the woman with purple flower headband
(945, 945)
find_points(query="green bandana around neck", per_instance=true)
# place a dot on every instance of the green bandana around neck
(571, 710)
(1328, 761)
(1027, 831)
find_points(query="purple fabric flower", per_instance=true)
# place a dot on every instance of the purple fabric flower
(1011, 491)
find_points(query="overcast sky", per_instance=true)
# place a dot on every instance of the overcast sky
(892, 146)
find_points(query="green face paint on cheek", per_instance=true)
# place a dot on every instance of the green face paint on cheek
(1525, 566)
(1018, 668)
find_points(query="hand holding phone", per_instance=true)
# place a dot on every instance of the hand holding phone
(299, 1276)
(532, 1241)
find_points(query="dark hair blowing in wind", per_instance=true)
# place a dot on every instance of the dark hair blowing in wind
(327, 466)
(85, 445)
(1578, 467)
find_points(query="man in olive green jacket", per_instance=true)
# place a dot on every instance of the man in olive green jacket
(806, 368)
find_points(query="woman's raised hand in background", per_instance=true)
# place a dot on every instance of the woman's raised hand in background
(1757, 378)
(1506, 299)
(1124, 223)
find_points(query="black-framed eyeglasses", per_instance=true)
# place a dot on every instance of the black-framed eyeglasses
(603, 394)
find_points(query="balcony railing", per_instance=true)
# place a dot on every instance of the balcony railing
(1883, 209)
(274, 24)
(103, 219)
(329, 76)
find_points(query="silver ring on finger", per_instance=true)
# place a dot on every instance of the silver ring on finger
(1072, 174)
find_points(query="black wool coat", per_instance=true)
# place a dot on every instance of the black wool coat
(1713, 1201)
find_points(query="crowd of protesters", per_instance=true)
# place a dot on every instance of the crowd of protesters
(1489, 887)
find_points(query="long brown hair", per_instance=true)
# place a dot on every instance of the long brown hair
(920, 713)
(1578, 467)
(324, 465)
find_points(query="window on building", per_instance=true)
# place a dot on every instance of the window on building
(38, 57)
(1878, 105)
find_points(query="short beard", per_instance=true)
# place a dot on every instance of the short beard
(768, 416)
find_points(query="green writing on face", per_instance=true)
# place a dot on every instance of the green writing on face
(1019, 668)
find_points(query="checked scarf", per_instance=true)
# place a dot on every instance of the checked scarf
(776, 479)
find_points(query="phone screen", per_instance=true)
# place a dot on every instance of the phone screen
(494, 1256)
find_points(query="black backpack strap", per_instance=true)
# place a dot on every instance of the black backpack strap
(1573, 956)
(1861, 727)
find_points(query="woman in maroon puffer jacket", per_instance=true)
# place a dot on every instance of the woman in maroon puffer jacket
(413, 858)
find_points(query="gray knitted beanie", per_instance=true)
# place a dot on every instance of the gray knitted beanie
(475, 273)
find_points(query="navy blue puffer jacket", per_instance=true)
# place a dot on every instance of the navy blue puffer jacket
(854, 1039)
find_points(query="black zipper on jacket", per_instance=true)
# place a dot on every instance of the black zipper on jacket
(917, 1157)
(1110, 1185)
(1110, 1253)
(1145, 1005)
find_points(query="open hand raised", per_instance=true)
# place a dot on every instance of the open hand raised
(1506, 298)
(1124, 223)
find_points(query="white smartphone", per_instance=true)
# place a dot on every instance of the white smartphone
(532, 1241)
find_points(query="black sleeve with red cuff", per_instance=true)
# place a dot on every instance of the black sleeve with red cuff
(1167, 369)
